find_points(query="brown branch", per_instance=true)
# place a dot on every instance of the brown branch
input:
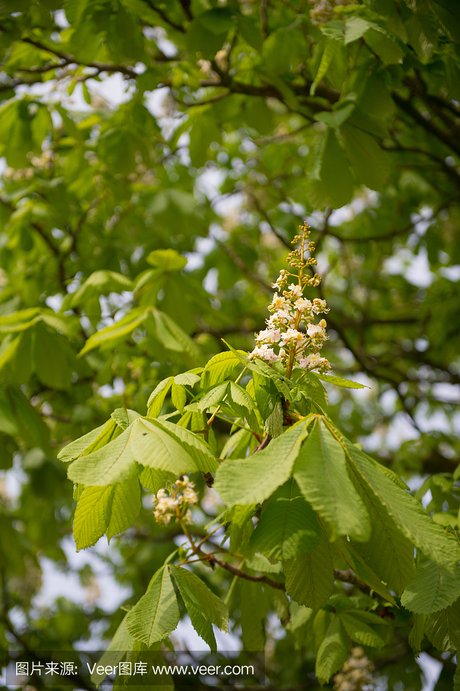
(428, 125)
(264, 18)
(162, 14)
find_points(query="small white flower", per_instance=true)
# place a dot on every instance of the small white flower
(314, 361)
(268, 336)
(264, 352)
(292, 337)
(295, 290)
(278, 303)
(319, 306)
(303, 305)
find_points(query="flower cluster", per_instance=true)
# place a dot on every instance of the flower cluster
(356, 674)
(173, 504)
(293, 336)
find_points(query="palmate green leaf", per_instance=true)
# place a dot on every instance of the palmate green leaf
(170, 335)
(231, 398)
(370, 163)
(153, 480)
(107, 465)
(407, 513)
(27, 420)
(162, 446)
(124, 417)
(365, 628)
(362, 569)
(178, 396)
(339, 381)
(195, 447)
(121, 643)
(288, 526)
(251, 480)
(457, 678)
(109, 509)
(214, 396)
(254, 603)
(333, 185)
(203, 607)
(221, 367)
(90, 519)
(321, 473)
(332, 652)
(310, 577)
(241, 528)
(417, 632)
(16, 364)
(443, 628)
(167, 259)
(156, 614)
(111, 334)
(433, 588)
(157, 397)
(99, 283)
(388, 552)
(98, 437)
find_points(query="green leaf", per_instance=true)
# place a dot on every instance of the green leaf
(90, 442)
(178, 396)
(331, 48)
(321, 473)
(255, 604)
(90, 519)
(221, 367)
(386, 47)
(106, 465)
(433, 588)
(170, 335)
(359, 626)
(124, 417)
(162, 446)
(332, 652)
(287, 525)
(30, 424)
(55, 372)
(156, 614)
(126, 504)
(355, 28)
(167, 260)
(253, 479)
(16, 363)
(115, 332)
(369, 162)
(157, 397)
(203, 607)
(196, 448)
(442, 628)
(100, 283)
(408, 514)
(339, 381)
(388, 552)
(109, 509)
(310, 577)
(121, 643)
(333, 184)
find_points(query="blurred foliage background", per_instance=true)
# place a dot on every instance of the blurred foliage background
(157, 158)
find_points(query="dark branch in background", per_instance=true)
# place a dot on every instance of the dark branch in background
(187, 8)
(162, 14)
(246, 270)
(428, 125)
(264, 18)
